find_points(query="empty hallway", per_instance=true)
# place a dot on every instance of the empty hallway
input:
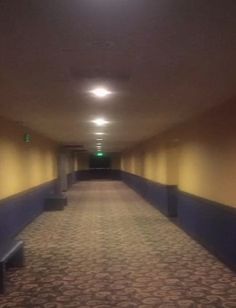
(117, 153)
(110, 248)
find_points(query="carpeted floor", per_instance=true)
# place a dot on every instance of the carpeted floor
(109, 248)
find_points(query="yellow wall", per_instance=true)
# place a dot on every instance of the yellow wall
(199, 156)
(24, 165)
(71, 162)
(115, 160)
(82, 161)
(147, 160)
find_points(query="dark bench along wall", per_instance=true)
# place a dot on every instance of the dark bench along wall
(210, 223)
(19, 210)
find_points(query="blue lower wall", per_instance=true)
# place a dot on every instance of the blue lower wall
(212, 224)
(19, 210)
(163, 197)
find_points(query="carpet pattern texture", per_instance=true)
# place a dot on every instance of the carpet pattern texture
(110, 248)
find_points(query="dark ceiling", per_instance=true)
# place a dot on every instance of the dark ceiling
(164, 61)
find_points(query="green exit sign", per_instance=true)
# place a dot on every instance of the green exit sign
(100, 154)
(27, 138)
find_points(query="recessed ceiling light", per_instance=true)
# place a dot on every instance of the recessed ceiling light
(99, 139)
(99, 133)
(100, 92)
(99, 144)
(100, 121)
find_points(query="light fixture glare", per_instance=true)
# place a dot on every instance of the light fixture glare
(100, 92)
(100, 122)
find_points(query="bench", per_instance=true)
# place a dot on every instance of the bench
(55, 202)
(11, 254)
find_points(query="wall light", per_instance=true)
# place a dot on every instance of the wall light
(100, 92)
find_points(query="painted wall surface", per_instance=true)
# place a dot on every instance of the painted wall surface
(71, 162)
(82, 161)
(199, 156)
(24, 165)
(148, 160)
(115, 161)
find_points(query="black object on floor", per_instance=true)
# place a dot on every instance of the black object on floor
(55, 203)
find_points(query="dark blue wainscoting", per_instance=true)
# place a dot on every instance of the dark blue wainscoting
(163, 197)
(212, 224)
(19, 210)
(98, 174)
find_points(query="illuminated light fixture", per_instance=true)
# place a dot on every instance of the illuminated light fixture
(100, 154)
(100, 92)
(100, 122)
(99, 144)
(99, 139)
(99, 133)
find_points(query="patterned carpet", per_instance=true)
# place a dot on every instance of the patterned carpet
(109, 248)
